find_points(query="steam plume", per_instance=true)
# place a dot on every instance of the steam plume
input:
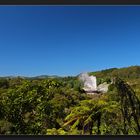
(88, 81)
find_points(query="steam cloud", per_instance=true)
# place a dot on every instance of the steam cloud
(89, 82)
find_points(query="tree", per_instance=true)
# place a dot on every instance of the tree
(130, 106)
(88, 114)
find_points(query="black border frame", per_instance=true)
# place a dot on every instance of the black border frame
(70, 137)
(70, 2)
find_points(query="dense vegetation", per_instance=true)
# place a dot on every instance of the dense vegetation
(59, 106)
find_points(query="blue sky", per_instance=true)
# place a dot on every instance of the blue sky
(67, 40)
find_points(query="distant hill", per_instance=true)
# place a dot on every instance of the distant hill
(45, 76)
(131, 72)
(35, 77)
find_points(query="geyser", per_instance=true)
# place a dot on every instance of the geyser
(89, 82)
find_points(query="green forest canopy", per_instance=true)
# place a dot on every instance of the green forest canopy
(59, 106)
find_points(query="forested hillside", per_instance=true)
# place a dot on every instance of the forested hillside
(59, 105)
(129, 74)
(132, 72)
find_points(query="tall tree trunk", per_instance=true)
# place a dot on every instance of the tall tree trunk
(98, 124)
(90, 129)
